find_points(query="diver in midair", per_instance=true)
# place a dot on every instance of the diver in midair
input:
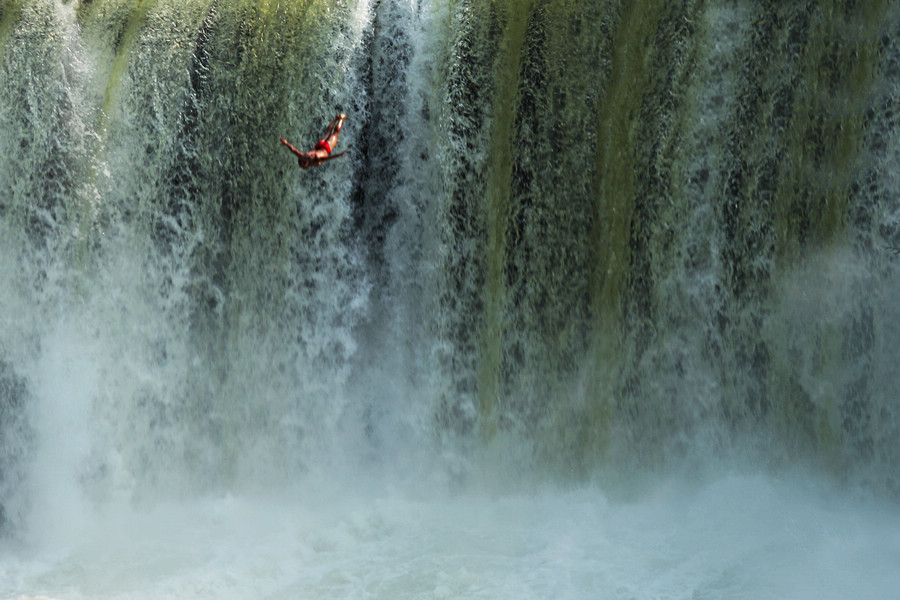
(323, 148)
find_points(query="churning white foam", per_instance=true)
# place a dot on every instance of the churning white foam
(741, 536)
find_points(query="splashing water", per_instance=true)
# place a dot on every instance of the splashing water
(738, 537)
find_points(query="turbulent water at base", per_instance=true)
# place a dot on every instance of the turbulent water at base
(601, 303)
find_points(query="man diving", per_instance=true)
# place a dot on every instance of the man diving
(322, 150)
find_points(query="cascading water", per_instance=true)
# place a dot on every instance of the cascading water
(599, 304)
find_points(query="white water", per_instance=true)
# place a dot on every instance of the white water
(739, 536)
(388, 523)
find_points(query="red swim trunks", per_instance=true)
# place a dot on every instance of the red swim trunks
(323, 145)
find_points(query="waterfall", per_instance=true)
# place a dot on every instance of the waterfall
(580, 236)
(677, 239)
(156, 233)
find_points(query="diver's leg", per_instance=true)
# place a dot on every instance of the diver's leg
(330, 129)
(335, 125)
(333, 129)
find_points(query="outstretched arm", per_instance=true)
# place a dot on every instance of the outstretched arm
(332, 156)
(291, 148)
